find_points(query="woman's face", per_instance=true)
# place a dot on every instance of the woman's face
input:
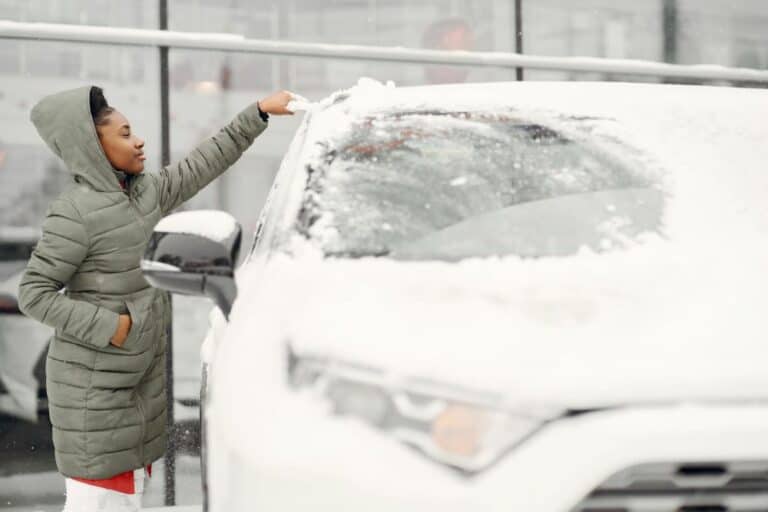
(124, 150)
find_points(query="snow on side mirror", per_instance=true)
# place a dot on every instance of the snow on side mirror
(194, 253)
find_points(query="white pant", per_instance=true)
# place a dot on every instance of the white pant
(82, 497)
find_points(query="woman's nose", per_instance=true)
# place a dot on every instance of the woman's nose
(139, 143)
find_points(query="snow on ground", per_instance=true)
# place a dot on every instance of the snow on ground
(44, 492)
(35, 492)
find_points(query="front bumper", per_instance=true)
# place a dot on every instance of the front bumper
(343, 465)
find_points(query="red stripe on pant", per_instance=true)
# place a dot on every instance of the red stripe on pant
(120, 483)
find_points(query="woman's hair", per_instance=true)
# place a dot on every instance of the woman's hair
(100, 109)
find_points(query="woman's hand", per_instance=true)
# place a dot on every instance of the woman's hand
(277, 104)
(123, 328)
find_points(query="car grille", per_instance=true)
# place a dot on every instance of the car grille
(740, 486)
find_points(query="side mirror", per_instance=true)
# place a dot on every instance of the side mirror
(194, 253)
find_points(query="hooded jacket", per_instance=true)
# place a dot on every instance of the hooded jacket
(107, 403)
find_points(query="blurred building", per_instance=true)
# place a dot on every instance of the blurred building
(207, 88)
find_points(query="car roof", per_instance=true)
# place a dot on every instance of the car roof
(687, 116)
(373, 96)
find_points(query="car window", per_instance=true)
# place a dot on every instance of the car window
(394, 179)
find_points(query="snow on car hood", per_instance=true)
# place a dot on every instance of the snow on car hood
(631, 326)
(678, 318)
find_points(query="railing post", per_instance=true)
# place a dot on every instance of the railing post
(519, 36)
(669, 30)
(165, 157)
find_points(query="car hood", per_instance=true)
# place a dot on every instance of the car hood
(644, 325)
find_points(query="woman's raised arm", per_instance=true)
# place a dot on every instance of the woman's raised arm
(180, 181)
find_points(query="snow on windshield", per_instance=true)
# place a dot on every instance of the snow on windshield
(394, 177)
(703, 145)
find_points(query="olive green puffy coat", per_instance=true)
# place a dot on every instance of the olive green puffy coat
(107, 404)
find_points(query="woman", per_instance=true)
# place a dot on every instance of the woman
(106, 363)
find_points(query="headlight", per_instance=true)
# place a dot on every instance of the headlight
(458, 427)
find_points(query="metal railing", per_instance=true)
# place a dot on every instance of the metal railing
(235, 43)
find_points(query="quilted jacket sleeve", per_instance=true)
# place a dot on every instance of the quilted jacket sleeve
(182, 180)
(59, 253)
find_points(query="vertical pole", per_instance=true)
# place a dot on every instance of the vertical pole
(670, 26)
(284, 13)
(165, 144)
(519, 35)
(164, 103)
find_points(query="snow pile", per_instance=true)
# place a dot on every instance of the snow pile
(211, 224)
(299, 103)
(364, 85)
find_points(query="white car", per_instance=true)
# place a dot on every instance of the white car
(23, 341)
(510, 296)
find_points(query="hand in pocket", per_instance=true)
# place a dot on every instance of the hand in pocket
(123, 328)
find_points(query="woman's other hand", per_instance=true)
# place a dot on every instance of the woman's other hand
(123, 328)
(277, 104)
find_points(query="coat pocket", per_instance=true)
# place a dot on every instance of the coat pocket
(138, 335)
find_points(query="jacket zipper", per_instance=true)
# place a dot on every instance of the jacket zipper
(137, 213)
(139, 401)
(140, 407)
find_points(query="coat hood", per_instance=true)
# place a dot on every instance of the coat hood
(64, 122)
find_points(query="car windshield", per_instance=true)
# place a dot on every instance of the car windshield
(452, 185)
